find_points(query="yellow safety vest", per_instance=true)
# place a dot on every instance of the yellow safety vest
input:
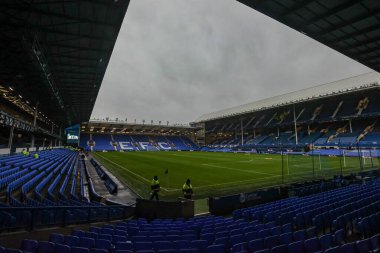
(36, 155)
(155, 185)
(187, 189)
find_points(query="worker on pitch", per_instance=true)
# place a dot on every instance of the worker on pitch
(155, 187)
(187, 189)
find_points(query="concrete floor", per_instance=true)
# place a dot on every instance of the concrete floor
(124, 195)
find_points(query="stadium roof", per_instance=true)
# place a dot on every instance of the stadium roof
(351, 27)
(120, 127)
(55, 53)
(361, 82)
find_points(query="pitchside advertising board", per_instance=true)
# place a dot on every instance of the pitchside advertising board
(226, 204)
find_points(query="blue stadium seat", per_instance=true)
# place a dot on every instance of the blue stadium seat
(312, 245)
(200, 245)
(326, 241)
(78, 233)
(264, 251)
(86, 242)
(105, 237)
(349, 248)
(299, 235)
(283, 248)
(45, 247)
(339, 236)
(286, 238)
(240, 247)
(164, 251)
(256, 245)
(29, 245)
(286, 228)
(8, 250)
(250, 236)
(142, 246)
(124, 246)
(71, 241)
(99, 251)
(180, 244)
(296, 247)
(56, 238)
(188, 251)
(60, 248)
(375, 244)
(216, 248)
(162, 245)
(103, 244)
(364, 246)
(271, 241)
(335, 249)
(79, 250)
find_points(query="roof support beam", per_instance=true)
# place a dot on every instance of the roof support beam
(360, 52)
(362, 42)
(299, 5)
(28, 8)
(355, 34)
(330, 12)
(345, 23)
(79, 48)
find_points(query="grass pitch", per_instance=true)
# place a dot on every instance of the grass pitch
(216, 174)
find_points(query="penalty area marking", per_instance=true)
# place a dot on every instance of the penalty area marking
(229, 168)
(235, 182)
(137, 175)
(227, 183)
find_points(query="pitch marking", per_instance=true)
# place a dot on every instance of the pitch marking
(137, 175)
(235, 182)
(229, 168)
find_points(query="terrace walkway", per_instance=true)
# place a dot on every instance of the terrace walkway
(124, 194)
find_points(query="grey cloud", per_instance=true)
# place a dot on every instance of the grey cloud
(177, 59)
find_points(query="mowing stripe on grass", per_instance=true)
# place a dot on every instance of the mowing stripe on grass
(137, 175)
(235, 182)
(229, 168)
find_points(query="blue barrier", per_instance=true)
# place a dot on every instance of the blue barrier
(108, 182)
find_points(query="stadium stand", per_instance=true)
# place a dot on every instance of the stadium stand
(342, 114)
(339, 220)
(55, 189)
(54, 184)
(103, 142)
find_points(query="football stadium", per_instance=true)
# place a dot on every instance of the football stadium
(293, 173)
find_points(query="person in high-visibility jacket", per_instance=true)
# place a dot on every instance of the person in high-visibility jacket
(25, 152)
(36, 155)
(155, 187)
(187, 189)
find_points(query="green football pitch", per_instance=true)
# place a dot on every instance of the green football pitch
(217, 174)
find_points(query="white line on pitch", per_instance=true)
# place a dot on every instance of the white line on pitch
(235, 182)
(229, 168)
(137, 175)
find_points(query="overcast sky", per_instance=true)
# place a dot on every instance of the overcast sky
(175, 60)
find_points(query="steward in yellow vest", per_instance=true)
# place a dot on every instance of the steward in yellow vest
(187, 189)
(155, 187)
